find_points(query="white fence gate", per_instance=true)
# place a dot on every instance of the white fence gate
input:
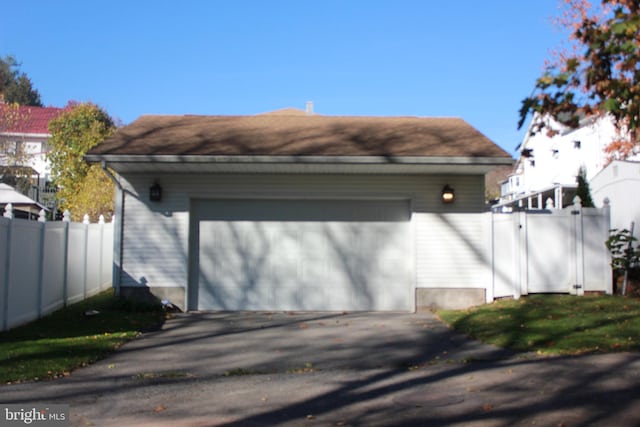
(46, 265)
(551, 251)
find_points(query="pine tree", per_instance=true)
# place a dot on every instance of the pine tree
(15, 86)
(584, 191)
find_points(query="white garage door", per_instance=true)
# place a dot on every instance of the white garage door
(330, 255)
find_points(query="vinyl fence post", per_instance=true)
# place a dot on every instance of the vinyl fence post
(549, 204)
(66, 219)
(100, 251)
(8, 213)
(85, 222)
(115, 254)
(491, 268)
(606, 208)
(42, 223)
(521, 286)
(578, 252)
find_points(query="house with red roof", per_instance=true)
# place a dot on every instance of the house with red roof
(24, 135)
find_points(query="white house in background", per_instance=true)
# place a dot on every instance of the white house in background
(548, 165)
(29, 133)
(620, 182)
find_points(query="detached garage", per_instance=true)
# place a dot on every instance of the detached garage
(298, 212)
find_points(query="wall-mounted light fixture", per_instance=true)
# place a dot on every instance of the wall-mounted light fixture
(448, 195)
(155, 192)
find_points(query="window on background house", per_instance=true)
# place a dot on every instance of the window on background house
(10, 149)
(576, 144)
(555, 153)
(49, 187)
(15, 148)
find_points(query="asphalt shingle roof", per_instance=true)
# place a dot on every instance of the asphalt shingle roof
(299, 135)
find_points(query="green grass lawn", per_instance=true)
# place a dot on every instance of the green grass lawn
(67, 339)
(554, 324)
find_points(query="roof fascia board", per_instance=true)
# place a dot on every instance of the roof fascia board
(299, 159)
(26, 134)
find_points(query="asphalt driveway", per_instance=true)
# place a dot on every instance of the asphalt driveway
(335, 369)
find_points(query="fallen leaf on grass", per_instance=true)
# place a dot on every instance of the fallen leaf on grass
(159, 408)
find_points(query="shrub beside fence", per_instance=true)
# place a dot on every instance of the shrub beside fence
(47, 265)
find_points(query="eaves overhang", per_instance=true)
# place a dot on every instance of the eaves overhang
(131, 164)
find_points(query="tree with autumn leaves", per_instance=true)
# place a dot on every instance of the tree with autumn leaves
(83, 188)
(599, 75)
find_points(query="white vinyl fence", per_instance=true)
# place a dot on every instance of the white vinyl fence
(47, 265)
(551, 251)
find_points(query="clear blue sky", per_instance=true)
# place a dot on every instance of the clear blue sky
(468, 58)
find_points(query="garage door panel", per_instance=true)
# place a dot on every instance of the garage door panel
(234, 259)
(329, 265)
(293, 210)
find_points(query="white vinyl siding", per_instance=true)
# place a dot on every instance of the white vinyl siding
(156, 234)
(452, 250)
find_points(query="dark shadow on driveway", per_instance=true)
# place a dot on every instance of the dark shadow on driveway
(382, 369)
